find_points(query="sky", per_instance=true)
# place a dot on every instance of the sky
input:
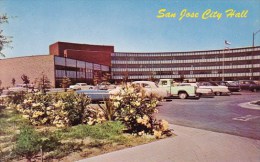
(128, 25)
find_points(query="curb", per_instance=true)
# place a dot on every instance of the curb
(249, 105)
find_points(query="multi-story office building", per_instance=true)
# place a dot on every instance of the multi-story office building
(229, 64)
(79, 62)
(83, 63)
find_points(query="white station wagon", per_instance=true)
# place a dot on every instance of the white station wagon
(151, 88)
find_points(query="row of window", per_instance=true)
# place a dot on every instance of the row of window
(190, 76)
(186, 53)
(67, 62)
(186, 61)
(188, 68)
(74, 74)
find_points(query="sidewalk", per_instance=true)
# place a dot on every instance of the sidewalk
(190, 144)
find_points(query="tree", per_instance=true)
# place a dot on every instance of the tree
(65, 82)
(25, 79)
(96, 78)
(106, 77)
(13, 82)
(4, 40)
(42, 83)
(125, 77)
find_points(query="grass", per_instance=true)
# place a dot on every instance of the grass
(108, 130)
(81, 141)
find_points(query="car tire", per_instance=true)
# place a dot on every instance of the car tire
(218, 93)
(183, 95)
(254, 90)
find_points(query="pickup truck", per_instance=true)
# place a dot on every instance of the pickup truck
(181, 91)
(200, 91)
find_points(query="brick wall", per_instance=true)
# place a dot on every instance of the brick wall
(32, 66)
(97, 57)
(58, 48)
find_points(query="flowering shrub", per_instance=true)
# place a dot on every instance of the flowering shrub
(136, 111)
(15, 97)
(61, 109)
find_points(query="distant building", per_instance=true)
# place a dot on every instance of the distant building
(84, 62)
(79, 62)
(232, 64)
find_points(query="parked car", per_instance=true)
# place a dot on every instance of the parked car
(249, 85)
(217, 89)
(95, 95)
(200, 91)
(232, 86)
(105, 86)
(83, 86)
(151, 88)
(181, 91)
(21, 87)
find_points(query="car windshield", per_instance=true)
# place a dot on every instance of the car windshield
(213, 84)
(232, 83)
(184, 85)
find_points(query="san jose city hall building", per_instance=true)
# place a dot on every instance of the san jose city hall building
(80, 62)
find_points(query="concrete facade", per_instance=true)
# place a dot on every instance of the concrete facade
(231, 64)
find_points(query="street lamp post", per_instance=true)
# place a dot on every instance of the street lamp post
(223, 65)
(254, 33)
(252, 55)
(223, 59)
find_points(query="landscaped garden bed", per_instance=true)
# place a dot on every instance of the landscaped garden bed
(65, 127)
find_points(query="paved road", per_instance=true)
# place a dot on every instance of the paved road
(219, 114)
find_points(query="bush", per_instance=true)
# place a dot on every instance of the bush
(28, 143)
(136, 111)
(59, 109)
(15, 97)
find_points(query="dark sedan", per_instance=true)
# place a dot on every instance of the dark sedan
(249, 85)
(232, 86)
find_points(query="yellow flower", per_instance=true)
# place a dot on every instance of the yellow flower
(58, 104)
(48, 112)
(139, 120)
(26, 116)
(156, 111)
(126, 118)
(132, 111)
(44, 120)
(90, 122)
(60, 125)
(36, 104)
(136, 103)
(25, 101)
(141, 133)
(164, 125)
(116, 104)
(157, 134)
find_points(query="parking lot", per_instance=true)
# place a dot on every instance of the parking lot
(220, 114)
